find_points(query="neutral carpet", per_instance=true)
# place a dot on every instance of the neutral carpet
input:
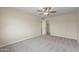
(43, 44)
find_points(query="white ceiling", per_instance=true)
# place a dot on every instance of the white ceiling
(59, 10)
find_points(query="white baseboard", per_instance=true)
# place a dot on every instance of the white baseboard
(64, 37)
(27, 37)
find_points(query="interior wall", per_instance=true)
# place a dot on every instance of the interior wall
(64, 25)
(0, 24)
(78, 27)
(17, 26)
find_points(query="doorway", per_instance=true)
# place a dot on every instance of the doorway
(45, 27)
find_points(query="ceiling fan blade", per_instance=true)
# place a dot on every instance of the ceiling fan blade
(41, 14)
(39, 10)
(52, 11)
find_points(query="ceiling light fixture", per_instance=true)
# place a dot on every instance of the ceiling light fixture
(46, 11)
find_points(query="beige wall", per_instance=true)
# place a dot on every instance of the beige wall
(64, 25)
(78, 27)
(17, 26)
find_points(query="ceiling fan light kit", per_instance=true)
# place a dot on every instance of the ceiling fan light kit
(46, 13)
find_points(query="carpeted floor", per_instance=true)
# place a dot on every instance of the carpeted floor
(43, 44)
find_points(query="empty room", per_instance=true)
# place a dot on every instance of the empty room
(39, 29)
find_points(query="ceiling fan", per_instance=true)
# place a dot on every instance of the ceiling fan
(46, 11)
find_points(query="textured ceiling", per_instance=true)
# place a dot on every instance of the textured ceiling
(59, 10)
